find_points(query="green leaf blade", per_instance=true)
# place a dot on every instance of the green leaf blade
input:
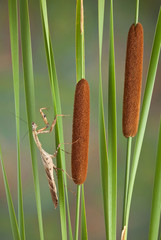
(112, 135)
(30, 99)
(102, 130)
(13, 220)
(13, 23)
(59, 126)
(103, 162)
(156, 202)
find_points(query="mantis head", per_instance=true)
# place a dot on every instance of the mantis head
(34, 126)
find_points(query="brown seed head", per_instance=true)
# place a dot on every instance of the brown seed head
(133, 80)
(80, 136)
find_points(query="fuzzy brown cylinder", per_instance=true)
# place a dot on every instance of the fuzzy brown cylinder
(133, 80)
(80, 137)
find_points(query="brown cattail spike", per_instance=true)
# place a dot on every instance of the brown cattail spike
(80, 136)
(133, 80)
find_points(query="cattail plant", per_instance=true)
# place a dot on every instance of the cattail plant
(80, 132)
(80, 139)
(142, 124)
(132, 125)
(80, 119)
(132, 95)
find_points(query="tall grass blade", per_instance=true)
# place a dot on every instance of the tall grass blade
(102, 130)
(59, 126)
(13, 22)
(84, 233)
(14, 225)
(145, 110)
(30, 99)
(156, 202)
(112, 135)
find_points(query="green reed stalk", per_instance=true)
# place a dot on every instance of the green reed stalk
(156, 202)
(112, 135)
(59, 127)
(127, 174)
(77, 211)
(13, 22)
(102, 129)
(30, 99)
(84, 234)
(13, 220)
(137, 12)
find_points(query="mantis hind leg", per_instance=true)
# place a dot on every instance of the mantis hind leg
(56, 152)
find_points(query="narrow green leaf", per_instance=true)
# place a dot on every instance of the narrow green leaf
(59, 126)
(70, 234)
(156, 202)
(84, 234)
(13, 22)
(102, 130)
(30, 98)
(112, 135)
(13, 220)
(145, 110)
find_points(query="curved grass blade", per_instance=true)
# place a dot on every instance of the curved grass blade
(13, 22)
(84, 233)
(13, 220)
(144, 111)
(156, 202)
(102, 130)
(30, 99)
(59, 126)
(112, 135)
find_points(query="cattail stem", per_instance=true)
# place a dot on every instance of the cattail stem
(137, 12)
(77, 211)
(127, 173)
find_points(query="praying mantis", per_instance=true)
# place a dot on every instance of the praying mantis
(46, 157)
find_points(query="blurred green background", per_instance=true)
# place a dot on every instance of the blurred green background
(62, 27)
